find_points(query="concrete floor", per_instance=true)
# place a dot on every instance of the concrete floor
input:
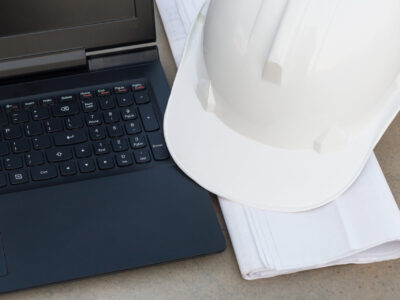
(218, 277)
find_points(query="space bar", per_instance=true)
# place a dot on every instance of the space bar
(70, 137)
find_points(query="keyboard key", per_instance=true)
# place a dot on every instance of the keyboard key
(11, 107)
(86, 95)
(105, 162)
(65, 109)
(3, 119)
(93, 119)
(4, 148)
(40, 113)
(43, 173)
(115, 130)
(111, 116)
(57, 155)
(29, 104)
(121, 89)
(41, 142)
(12, 132)
(142, 97)
(139, 86)
(128, 114)
(97, 133)
(18, 177)
(119, 145)
(86, 165)
(106, 103)
(83, 151)
(13, 162)
(158, 146)
(74, 122)
(149, 119)
(34, 128)
(124, 159)
(68, 168)
(133, 127)
(47, 102)
(20, 146)
(137, 142)
(125, 100)
(70, 137)
(142, 156)
(66, 98)
(103, 92)
(101, 148)
(20, 116)
(3, 180)
(34, 159)
(54, 125)
(89, 105)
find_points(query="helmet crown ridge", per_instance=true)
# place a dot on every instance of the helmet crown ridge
(283, 42)
(299, 74)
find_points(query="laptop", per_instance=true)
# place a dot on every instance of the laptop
(87, 185)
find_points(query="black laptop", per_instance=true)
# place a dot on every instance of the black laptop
(87, 185)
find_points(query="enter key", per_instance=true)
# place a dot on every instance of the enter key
(158, 146)
(70, 137)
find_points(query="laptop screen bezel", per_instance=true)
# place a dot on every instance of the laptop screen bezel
(138, 30)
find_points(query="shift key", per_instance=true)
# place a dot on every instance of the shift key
(149, 119)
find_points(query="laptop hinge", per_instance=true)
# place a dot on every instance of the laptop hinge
(29, 65)
(99, 61)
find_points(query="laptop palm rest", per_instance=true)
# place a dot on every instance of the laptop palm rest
(104, 225)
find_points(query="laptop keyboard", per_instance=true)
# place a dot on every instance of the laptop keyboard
(71, 136)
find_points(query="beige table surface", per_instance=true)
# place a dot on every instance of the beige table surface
(217, 276)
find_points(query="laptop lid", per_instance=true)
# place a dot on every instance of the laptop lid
(40, 27)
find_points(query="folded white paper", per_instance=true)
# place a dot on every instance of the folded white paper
(362, 226)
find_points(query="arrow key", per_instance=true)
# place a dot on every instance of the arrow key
(105, 162)
(86, 165)
(68, 168)
(83, 151)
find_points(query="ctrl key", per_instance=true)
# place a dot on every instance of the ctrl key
(18, 177)
(43, 173)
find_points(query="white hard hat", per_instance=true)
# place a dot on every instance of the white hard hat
(278, 104)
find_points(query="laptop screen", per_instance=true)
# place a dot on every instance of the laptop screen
(30, 16)
(34, 27)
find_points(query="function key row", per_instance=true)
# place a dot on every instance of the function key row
(138, 88)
